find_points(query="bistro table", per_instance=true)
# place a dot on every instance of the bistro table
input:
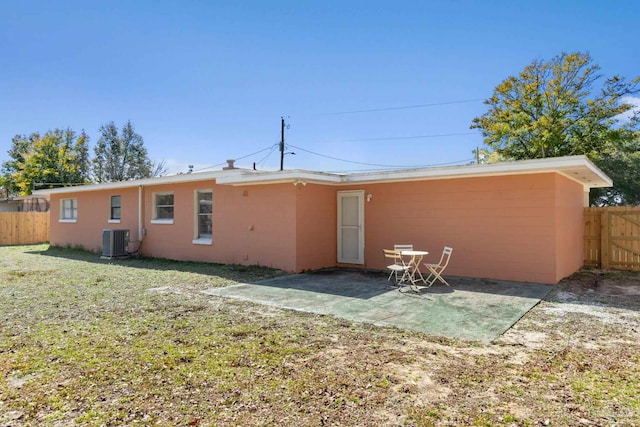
(415, 258)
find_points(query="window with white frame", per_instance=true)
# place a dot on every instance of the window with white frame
(69, 210)
(116, 208)
(204, 216)
(163, 207)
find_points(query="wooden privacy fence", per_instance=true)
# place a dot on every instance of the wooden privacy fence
(23, 228)
(612, 237)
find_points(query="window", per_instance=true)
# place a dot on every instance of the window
(204, 216)
(163, 208)
(116, 208)
(68, 210)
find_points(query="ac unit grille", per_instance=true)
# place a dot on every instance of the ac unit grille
(115, 243)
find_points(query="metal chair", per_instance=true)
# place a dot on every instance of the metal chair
(397, 265)
(435, 270)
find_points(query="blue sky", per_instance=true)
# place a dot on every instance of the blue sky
(206, 81)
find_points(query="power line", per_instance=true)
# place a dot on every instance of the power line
(238, 158)
(252, 154)
(377, 165)
(264, 159)
(411, 137)
(404, 107)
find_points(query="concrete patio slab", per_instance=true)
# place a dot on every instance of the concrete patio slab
(471, 309)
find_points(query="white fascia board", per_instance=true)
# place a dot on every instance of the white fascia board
(577, 168)
(162, 180)
(248, 177)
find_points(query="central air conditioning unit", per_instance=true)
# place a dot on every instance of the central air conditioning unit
(115, 243)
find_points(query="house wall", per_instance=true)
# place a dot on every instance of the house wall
(175, 241)
(519, 227)
(255, 225)
(252, 225)
(316, 227)
(569, 226)
(506, 227)
(94, 210)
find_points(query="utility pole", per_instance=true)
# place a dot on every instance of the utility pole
(282, 143)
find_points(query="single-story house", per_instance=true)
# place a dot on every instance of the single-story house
(519, 221)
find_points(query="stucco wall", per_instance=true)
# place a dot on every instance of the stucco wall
(256, 225)
(252, 225)
(175, 240)
(520, 227)
(500, 227)
(316, 227)
(93, 217)
(569, 226)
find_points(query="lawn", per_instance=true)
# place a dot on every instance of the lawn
(85, 341)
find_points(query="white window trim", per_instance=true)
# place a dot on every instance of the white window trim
(162, 221)
(155, 220)
(61, 217)
(203, 241)
(196, 211)
(112, 220)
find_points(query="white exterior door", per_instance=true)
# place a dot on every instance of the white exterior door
(351, 227)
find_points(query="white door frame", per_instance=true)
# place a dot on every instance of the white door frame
(359, 226)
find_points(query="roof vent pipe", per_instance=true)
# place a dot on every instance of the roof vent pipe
(229, 165)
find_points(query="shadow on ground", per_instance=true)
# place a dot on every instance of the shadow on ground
(231, 272)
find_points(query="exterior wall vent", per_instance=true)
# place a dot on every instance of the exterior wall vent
(115, 243)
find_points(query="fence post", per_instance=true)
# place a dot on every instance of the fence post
(604, 240)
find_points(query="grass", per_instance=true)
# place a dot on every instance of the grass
(85, 341)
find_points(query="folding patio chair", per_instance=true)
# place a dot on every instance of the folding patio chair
(435, 270)
(397, 265)
(403, 247)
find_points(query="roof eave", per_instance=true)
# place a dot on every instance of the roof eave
(577, 168)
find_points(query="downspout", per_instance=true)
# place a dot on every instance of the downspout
(141, 230)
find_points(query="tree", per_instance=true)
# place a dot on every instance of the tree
(58, 158)
(554, 109)
(122, 156)
(623, 167)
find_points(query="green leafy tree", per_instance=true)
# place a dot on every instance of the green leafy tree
(623, 166)
(60, 157)
(121, 156)
(559, 108)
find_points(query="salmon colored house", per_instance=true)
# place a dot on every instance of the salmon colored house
(520, 221)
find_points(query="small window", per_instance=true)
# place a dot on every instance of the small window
(163, 207)
(69, 210)
(204, 216)
(116, 208)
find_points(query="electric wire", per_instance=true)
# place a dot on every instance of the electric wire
(396, 138)
(271, 148)
(404, 107)
(238, 158)
(264, 159)
(375, 164)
